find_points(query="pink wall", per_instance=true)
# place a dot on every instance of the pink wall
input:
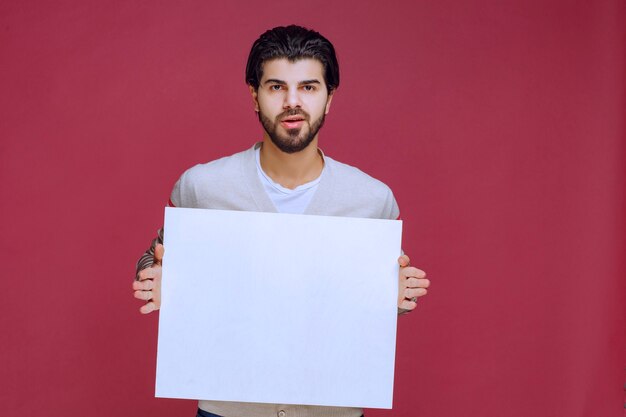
(499, 125)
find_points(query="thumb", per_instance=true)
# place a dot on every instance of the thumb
(404, 261)
(159, 250)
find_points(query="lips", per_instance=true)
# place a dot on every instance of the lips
(292, 122)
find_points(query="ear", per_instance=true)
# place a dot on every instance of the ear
(254, 94)
(328, 100)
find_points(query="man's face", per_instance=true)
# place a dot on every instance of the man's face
(292, 100)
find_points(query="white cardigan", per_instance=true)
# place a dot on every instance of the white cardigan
(232, 183)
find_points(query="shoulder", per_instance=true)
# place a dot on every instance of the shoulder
(224, 167)
(207, 183)
(345, 175)
(364, 191)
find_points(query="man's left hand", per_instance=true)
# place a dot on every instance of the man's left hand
(412, 284)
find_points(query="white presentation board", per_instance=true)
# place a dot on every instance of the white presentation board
(278, 308)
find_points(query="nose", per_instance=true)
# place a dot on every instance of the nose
(292, 99)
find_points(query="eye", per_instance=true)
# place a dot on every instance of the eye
(276, 87)
(308, 87)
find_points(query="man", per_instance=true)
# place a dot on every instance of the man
(293, 74)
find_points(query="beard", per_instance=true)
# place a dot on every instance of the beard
(295, 140)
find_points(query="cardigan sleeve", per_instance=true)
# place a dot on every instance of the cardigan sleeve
(147, 259)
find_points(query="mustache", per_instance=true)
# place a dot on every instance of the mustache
(293, 112)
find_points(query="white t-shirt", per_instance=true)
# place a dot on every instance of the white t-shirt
(287, 201)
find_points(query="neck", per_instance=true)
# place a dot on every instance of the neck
(291, 169)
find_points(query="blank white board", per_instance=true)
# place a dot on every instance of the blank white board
(278, 308)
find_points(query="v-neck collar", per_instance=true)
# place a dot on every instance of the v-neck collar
(319, 202)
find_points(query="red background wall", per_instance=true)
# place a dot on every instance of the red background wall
(499, 125)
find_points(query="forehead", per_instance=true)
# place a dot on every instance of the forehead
(293, 71)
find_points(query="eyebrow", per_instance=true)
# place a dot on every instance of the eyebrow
(281, 82)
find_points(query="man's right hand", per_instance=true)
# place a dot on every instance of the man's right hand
(148, 287)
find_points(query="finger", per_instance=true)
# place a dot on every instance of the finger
(417, 283)
(415, 292)
(159, 250)
(148, 273)
(404, 260)
(411, 271)
(143, 295)
(147, 308)
(148, 284)
(408, 305)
